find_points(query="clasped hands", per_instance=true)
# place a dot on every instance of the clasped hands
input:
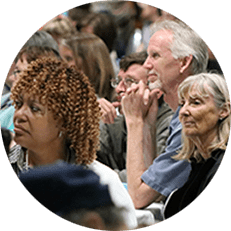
(139, 102)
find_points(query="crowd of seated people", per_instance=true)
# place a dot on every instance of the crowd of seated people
(138, 123)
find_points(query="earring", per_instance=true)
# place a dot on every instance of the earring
(60, 134)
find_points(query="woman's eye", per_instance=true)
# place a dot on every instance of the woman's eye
(197, 102)
(181, 103)
(18, 104)
(35, 109)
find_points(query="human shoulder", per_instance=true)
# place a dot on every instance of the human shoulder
(106, 174)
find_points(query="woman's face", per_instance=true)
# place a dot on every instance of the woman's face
(34, 125)
(199, 116)
(67, 55)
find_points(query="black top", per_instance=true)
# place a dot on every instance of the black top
(201, 174)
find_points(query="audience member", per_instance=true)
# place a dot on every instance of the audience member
(174, 52)
(125, 14)
(77, 13)
(40, 39)
(57, 118)
(7, 139)
(113, 137)
(59, 27)
(104, 26)
(90, 54)
(213, 65)
(80, 197)
(9, 80)
(40, 44)
(101, 24)
(205, 118)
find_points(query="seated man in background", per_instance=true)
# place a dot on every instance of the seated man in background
(113, 137)
(80, 197)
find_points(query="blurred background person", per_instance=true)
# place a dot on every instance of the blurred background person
(7, 138)
(80, 197)
(104, 26)
(90, 54)
(40, 44)
(9, 80)
(101, 24)
(59, 27)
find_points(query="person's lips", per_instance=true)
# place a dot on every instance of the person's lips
(188, 123)
(18, 129)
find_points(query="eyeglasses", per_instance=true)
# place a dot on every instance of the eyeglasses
(127, 81)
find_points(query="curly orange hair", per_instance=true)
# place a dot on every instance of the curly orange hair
(69, 95)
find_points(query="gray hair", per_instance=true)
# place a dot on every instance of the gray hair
(185, 42)
(207, 84)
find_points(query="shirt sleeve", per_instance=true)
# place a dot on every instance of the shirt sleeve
(167, 174)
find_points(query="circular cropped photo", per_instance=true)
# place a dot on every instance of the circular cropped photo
(115, 115)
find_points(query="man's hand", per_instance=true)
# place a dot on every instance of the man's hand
(108, 110)
(140, 102)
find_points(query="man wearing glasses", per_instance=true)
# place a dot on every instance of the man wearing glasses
(113, 135)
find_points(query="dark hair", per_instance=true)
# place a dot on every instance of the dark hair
(76, 13)
(103, 25)
(7, 138)
(34, 52)
(134, 58)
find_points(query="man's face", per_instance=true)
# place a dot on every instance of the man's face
(160, 63)
(135, 72)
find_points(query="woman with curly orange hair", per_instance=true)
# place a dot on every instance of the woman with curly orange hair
(57, 118)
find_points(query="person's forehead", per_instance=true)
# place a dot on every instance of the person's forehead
(136, 71)
(22, 62)
(161, 40)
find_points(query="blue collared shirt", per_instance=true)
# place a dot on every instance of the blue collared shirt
(166, 174)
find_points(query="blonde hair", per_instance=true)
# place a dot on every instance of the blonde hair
(206, 84)
(69, 95)
(59, 27)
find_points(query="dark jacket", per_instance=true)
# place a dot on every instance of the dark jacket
(201, 174)
(113, 139)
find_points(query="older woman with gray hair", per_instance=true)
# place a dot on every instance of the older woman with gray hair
(205, 118)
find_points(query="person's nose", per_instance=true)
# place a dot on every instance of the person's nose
(184, 111)
(121, 87)
(147, 64)
(20, 114)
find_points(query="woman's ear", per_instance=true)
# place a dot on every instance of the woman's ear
(185, 63)
(225, 111)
